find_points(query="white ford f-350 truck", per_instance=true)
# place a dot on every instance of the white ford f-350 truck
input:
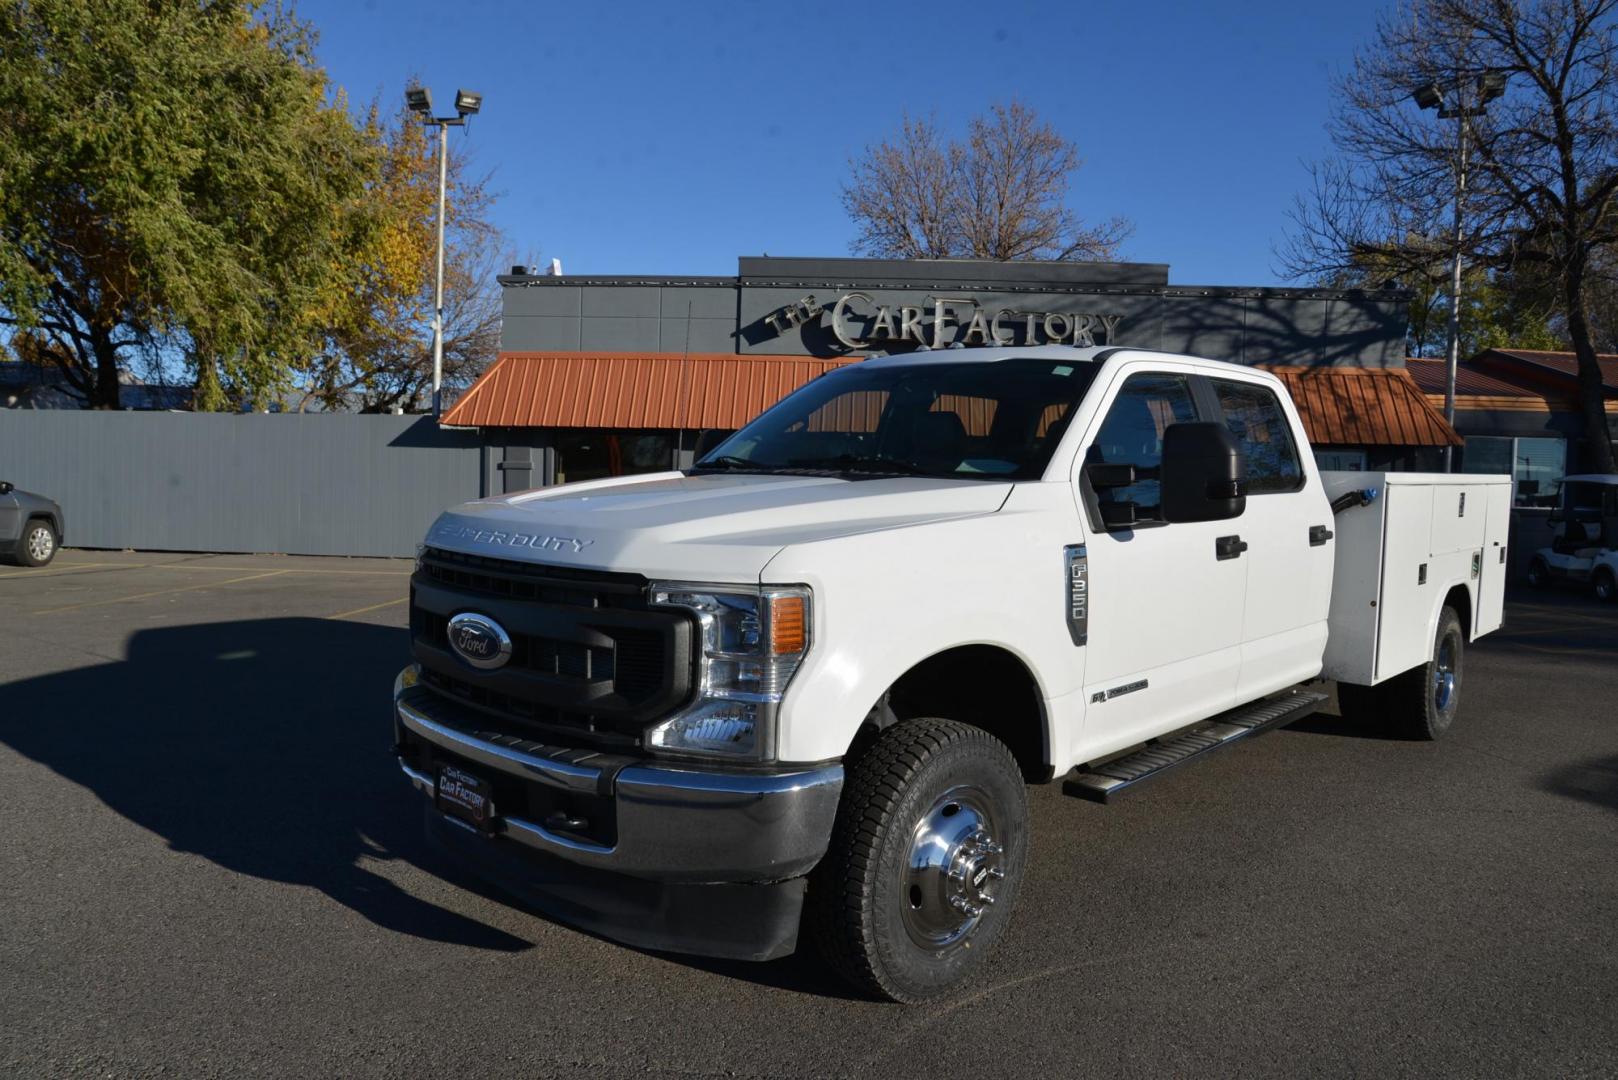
(798, 689)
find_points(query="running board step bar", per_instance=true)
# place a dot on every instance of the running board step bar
(1102, 782)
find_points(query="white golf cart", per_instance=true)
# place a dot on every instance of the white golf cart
(1584, 536)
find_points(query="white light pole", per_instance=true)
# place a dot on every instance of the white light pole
(1489, 85)
(467, 104)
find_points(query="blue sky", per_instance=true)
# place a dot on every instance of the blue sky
(668, 138)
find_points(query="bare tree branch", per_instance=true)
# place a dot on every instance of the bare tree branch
(1001, 194)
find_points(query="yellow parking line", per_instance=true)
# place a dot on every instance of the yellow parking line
(197, 566)
(373, 607)
(288, 570)
(159, 592)
(58, 570)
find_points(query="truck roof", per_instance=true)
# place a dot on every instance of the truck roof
(1069, 353)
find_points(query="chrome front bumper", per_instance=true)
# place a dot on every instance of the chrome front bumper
(674, 823)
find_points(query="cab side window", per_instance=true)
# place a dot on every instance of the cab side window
(1132, 434)
(1254, 416)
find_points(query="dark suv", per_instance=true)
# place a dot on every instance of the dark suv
(30, 526)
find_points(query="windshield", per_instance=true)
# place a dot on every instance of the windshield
(985, 420)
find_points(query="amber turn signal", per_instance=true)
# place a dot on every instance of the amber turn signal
(789, 631)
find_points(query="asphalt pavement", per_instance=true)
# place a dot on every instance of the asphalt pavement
(210, 865)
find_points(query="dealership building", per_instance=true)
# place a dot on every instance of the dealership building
(602, 376)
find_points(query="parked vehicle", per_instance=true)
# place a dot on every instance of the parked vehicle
(804, 683)
(1584, 537)
(30, 526)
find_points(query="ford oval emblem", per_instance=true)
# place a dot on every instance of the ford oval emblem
(479, 640)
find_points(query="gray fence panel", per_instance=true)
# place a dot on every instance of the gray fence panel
(318, 484)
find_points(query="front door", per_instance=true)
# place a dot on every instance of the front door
(1164, 645)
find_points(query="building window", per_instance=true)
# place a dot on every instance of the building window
(1537, 465)
(591, 454)
(1330, 460)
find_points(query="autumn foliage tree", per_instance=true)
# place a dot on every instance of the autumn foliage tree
(173, 179)
(376, 354)
(1001, 193)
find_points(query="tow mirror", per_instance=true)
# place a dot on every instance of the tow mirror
(1118, 515)
(1102, 475)
(1203, 474)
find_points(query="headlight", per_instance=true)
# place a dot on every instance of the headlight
(752, 642)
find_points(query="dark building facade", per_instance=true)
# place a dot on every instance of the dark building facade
(602, 376)
(855, 307)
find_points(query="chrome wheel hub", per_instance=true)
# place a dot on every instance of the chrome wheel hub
(40, 543)
(954, 869)
(1444, 676)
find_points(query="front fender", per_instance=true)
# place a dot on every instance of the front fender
(886, 601)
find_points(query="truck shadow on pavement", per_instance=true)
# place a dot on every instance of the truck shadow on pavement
(261, 746)
(1594, 781)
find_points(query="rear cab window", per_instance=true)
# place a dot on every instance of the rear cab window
(1253, 413)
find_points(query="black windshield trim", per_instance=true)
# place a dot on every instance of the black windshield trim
(1033, 386)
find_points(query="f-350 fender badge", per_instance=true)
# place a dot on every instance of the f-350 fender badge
(1077, 564)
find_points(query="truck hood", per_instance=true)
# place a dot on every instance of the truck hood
(721, 528)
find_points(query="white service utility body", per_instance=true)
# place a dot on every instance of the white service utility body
(806, 680)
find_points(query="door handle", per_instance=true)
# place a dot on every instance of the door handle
(1229, 547)
(1318, 535)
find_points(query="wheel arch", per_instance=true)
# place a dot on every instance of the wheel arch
(985, 684)
(1458, 597)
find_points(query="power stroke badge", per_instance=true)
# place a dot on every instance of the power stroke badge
(1077, 563)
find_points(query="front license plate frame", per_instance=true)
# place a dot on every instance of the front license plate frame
(465, 796)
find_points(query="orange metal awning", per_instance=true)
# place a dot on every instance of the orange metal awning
(1339, 406)
(631, 390)
(1342, 406)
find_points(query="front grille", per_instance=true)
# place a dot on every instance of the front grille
(589, 654)
(530, 581)
(548, 656)
(512, 714)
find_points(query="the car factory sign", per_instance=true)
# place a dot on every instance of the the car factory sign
(859, 322)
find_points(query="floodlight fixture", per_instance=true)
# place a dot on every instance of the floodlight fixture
(1487, 85)
(420, 101)
(1428, 96)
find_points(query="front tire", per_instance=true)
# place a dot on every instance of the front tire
(1605, 584)
(1539, 574)
(38, 544)
(925, 860)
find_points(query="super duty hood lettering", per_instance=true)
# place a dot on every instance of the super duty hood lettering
(444, 531)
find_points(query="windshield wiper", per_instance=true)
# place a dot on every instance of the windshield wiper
(876, 465)
(733, 463)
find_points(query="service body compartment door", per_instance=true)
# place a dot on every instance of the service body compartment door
(1409, 591)
(1492, 583)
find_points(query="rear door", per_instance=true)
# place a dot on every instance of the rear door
(1165, 622)
(10, 517)
(1286, 527)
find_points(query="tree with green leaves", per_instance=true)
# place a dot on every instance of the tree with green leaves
(173, 179)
